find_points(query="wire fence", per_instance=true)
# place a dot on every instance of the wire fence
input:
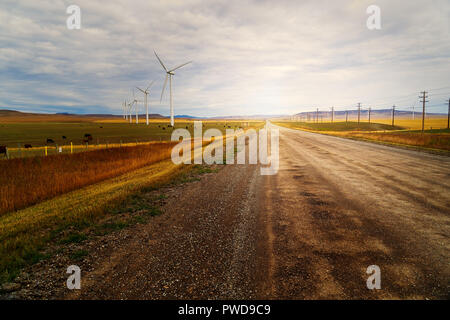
(26, 150)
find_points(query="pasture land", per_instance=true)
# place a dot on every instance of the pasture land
(105, 134)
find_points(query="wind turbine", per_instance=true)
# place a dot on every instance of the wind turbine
(169, 74)
(130, 106)
(146, 92)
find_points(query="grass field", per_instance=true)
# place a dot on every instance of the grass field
(406, 135)
(36, 134)
(30, 180)
(338, 126)
(25, 233)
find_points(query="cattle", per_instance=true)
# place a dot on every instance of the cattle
(88, 136)
(4, 150)
(28, 146)
(50, 140)
(64, 137)
(164, 128)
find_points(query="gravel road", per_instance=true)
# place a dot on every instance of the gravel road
(335, 207)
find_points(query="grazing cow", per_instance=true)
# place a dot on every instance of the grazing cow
(164, 128)
(50, 140)
(88, 136)
(4, 150)
(64, 137)
(28, 146)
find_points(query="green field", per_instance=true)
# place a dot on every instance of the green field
(105, 134)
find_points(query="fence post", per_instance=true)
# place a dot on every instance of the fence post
(71, 147)
(45, 150)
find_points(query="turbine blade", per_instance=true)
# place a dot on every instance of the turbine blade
(181, 65)
(141, 90)
(151, 83)
(164, 87)
(160, 61)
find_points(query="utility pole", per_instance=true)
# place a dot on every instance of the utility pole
(317, 115)
(393, 115)
(448, 115)
(346, 116)
(414, 116)
(369, 114)
(332, 114)
(359, 111)
(424, 96)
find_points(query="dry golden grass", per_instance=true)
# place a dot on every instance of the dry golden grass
(27, 181)
(24, 233)
(435, 123)
(427, 140)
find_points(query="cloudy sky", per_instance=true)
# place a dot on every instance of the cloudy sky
(249, 57)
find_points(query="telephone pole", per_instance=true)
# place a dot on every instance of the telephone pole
(317, 115)
(332, 114)
(393, 115)
(369, 114)
(424, 97)
(359, 111)
(346, 116)
(448, 115)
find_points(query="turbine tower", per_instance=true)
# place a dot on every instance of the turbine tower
(169, 74)
(146, 92)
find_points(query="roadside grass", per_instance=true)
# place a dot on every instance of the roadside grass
(27, 181)
(433, 139)
(430, 139)
(24, 233)
(35, 233)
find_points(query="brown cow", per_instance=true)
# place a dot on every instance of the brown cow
(28, 146)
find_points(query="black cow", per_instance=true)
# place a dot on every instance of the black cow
(88, 136)
(4, 150)
(50, 140)
(64, 137)
(28, 146)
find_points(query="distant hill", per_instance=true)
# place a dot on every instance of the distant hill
(18, 116)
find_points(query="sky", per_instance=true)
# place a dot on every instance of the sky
(249, 57)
